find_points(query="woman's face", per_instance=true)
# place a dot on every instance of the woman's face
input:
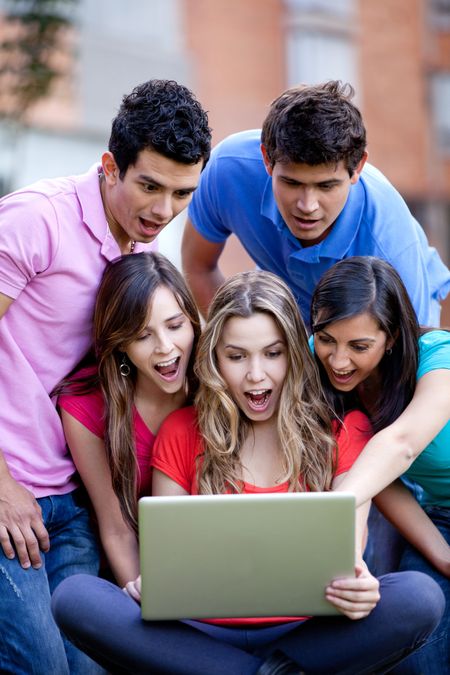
(350, 350)
(162, 350)
(252, 359)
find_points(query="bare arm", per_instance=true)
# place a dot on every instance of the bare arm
(163, 486)
(20, 515)
(392, 451)
(399, 506)
(355, 597)
(200, 259)
(118, 539)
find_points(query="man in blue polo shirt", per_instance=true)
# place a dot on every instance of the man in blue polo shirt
(300, 196)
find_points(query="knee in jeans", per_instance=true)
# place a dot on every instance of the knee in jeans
(424, 599)
(63, 599)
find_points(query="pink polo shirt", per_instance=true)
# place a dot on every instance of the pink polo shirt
(54, 245)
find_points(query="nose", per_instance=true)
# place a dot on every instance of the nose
(339, 358)
(256, 371)
(164, 344)
(307, 201)
(162, 208)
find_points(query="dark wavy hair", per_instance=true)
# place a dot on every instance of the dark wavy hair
(367, 284)
(314, 125)
(121, 313)
(164, 116)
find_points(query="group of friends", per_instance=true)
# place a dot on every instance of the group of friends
(322, 369)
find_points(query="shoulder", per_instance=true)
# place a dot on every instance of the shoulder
(434, 351)
(383, 204)
(351, 437)
(87, 407)
(355, 422)
(243, 145)
(43, 202)
(182, 422)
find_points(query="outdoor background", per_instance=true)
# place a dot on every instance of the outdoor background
(80, 56)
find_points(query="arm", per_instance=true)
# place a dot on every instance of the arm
(162, 486)
(118, 539)
(200, 266)
(399, 506)
(392, 451)
(20, 515)
(355, 597)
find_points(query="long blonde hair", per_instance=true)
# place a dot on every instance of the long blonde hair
(304, 424)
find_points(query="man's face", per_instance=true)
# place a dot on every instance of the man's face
(151, 193)
(310, 198)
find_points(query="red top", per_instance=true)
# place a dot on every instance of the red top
(89, 410)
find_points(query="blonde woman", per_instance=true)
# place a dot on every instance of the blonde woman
(260, 425)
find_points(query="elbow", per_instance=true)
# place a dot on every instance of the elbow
(406, 451)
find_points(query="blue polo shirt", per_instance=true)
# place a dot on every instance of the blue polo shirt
(235, 196)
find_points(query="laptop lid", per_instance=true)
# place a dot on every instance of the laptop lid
(218, 556)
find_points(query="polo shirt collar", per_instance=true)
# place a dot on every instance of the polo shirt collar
(89, 196)
(336, 245)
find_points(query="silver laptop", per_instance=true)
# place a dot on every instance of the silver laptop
(243, 555)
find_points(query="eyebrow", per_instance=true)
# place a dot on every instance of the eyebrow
(330, 181)
(277, 342)
(361, 339)
(171, 318)
(148, 179)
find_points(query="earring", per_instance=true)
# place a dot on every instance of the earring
(389, 351)
(124, 368)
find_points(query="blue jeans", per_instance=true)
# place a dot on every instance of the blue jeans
(30, 641)
(385, 544)
(101, 619)
(434, 657)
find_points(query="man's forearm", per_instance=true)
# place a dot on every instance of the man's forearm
(203, 286)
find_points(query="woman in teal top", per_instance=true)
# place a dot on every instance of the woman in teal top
(373, 355)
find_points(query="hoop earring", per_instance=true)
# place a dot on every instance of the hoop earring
(124, 368)
(389, 351)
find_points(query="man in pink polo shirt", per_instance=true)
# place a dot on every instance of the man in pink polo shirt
(56, 237)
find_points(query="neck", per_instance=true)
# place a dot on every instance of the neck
(368, 391)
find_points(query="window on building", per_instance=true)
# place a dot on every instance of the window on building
(439, 12)
(440, 104)
(320, 41)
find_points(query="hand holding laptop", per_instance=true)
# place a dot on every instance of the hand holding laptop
(133, 589)
(355, 597)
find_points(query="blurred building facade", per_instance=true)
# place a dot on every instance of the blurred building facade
(237, 55)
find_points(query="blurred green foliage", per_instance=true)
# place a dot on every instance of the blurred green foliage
(32, 38)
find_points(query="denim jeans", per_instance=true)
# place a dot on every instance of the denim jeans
(30, 642)
(107, 624)
(434, 657)
(385, 544)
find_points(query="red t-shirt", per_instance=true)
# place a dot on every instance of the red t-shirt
(179, 443)
(89, 410)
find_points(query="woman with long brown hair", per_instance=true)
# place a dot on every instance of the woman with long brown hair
(146, 327)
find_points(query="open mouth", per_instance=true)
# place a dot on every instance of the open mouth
(258, 400)
(342, 376)
(149, 226)
(168, 369)
(307, 222)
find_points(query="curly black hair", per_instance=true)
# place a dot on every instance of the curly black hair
(164, 116)
(316, 124)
